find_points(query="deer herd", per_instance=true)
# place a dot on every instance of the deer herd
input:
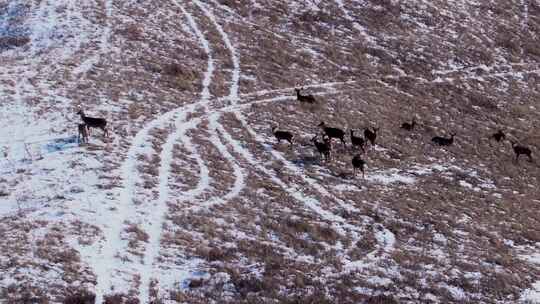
(324, 147)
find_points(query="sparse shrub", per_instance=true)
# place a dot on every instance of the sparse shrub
(180, 76)
(532, 236)
(131, 32)
(13, 42)
(217, 254)
(229, 3)
(481, 100)
(381, 299)
(3, 191)
(196, 283)
(24, 294)
(80, 298)
(140, 234)
(114, 299)
(247, 285)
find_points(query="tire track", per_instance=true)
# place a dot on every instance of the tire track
(153, 246)
(105, 273)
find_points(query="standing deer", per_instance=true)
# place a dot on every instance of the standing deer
(93, 122)
(442, 141)
(324, 148)
(409, 126)
(357, 141)
(519, 149)
(333, 132)
(282, 135)
(371, 135)
(83, 134)
(498, 136)
(358, 163)
(304, 98)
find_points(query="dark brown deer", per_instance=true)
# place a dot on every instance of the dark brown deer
(282, 135)
(358, 163)
(498, 136)
(357, 141)
(442, 141)
(519, 149)
(83, 134)
(333, 132)
(371, 135)
(324, 148)
(304, 98)
(409, 126)
(93, 122)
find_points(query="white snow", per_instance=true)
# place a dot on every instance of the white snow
(532, 295)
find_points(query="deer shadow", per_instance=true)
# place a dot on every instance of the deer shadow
(305, 160)
(61, 144)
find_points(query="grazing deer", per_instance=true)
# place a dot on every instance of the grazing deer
(357, 141)
(324, 148)
(442, 141)
(498, 136)
(371, 135)
(304, 98)
(519, 149)
(83, 134)
(333, 132)
(409, 126)
(282, 135)
(92, 122)
(358, 163)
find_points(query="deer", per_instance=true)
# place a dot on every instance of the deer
(371, 135)
(83, 134)
(357, 141)
(92, 122)
(519, 149)
(304, 98)
(498, 136)
(442, 141)
(282, 135)
(358, 163)
(333, 132)
(324, 148)
(409, 126)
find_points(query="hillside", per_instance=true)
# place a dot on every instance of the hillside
(192, 200)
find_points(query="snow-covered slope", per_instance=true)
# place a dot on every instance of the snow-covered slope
(192, 200)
